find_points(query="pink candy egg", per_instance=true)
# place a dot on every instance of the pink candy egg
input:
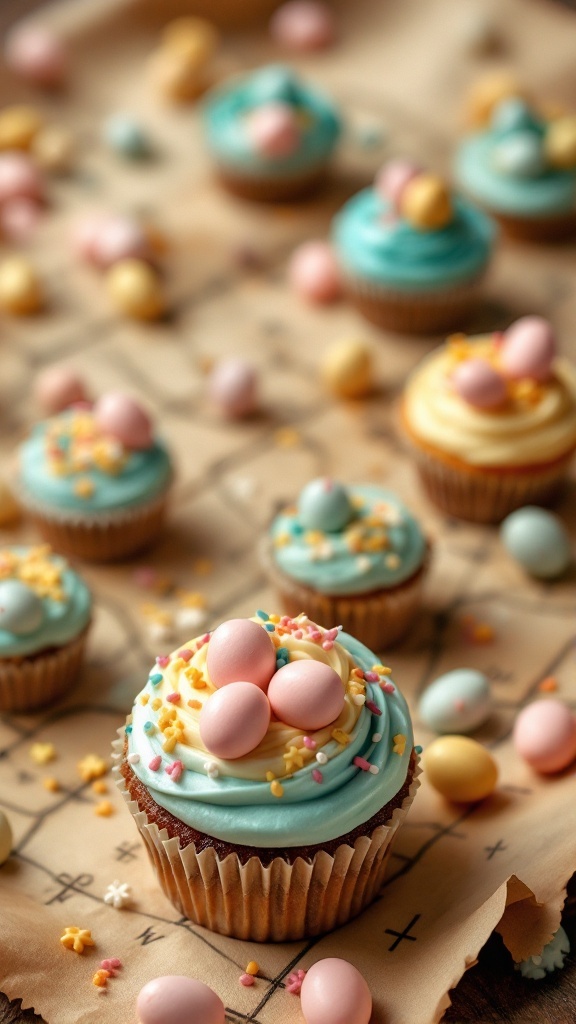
(528, 349)
(393, 178)
(477, 383)
(234, 720)
(19, 219)
(334, 992)
(273, 130)
(119, 238)
(303, 25)
(57, 388)
(234, 388)
(19, 178)
(545, 735)
(306, 694)
(120, 416)
(313, 272)
(240, 649)
(84, 236)
(36, 54)
(175, 999)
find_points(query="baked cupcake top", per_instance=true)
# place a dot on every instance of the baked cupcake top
(43, 603)
(347, 540)
(270, 123)
(271, 732)
(95, 460)
(522, 162)
(504, 399)
(410, 232)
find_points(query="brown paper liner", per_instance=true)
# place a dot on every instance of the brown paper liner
(271, 190)
(279, 903)
(432, 312)
(558, 228)
(29, 683)
(378, 619)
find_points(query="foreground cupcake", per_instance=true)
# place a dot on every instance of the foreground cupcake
(270, 135)
(521, 167)
(353, 555)
(45, 611)
(411, 253)
(95, 480)
(268, 767)
(491, 421)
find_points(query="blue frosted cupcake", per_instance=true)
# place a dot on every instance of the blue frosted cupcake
(521, 168)
(45, 612)
(410, 253)
(352, 555)
(270, 135)
(96, 481)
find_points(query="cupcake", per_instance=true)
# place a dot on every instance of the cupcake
(353, 555)
(411, 253)
(521, 168)
(268, 767)
(95, 480)
(270, 136)
(491, 421)
(45, 611)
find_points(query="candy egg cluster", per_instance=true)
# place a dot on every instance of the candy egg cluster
(529, 144)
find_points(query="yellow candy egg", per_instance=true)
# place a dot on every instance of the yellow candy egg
(175, 77)
(560, 142)
(460, 768)
(426, 202)
(193, 38)
(53, 149)
(20, 288)
(488, 92)
(18, 126)
(347, 368)
(135, 289)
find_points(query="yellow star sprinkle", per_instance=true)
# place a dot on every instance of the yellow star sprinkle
(83, 487)
(382, 670)
(293, 758)
(76, 939)
(276, 788)
(144, 698)
(104, 809)
(91, 767)
(340, 736)
(399, 744)
(42, 753)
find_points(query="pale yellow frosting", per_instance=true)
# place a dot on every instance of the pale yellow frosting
(532, 427)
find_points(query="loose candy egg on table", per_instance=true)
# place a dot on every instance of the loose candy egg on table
(175, 999)
(122, 417)
(21, 292)
(58, 387)
(479, 384)
(303, 25)
(324, 505)
(461, 769)
(545, 735)
(313, 273)
(233, 385)
(6, 838)
(538, 540)
(21, 610)
(240, 649)
(135, 289)
(347, 368)
(334, 992)
(37, 54)
(19, 219)
(528, 349)
(306, 694)
(457, 702)
(234, 720)
(196, 38)
(116, 238)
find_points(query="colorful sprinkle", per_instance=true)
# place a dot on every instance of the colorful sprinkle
(294, 983)
(163, 660)
(373, 769)
(548, 685)
(269, 626)
(194, 704)
(112, 965)
(127, 729)
(77, 938)
(247, 980)
(321, 757)
(174, 770)
(418, 749)
(362, 763)
(252, 967)
(371, 677)
(99, 787)
(387, 688)
(341, 737)
(399, 744)
(317, 775)
(174, 698)
(51, 784)
(155, 763)
(262, 615)
(100, 979)
(149, 727)
(133, 758)
(309, 743)
(373, 707)
(104, 809)
(91, 767)
(155, 678)
(185, 654)
(376, 737)
(276, 788)
(42, 753)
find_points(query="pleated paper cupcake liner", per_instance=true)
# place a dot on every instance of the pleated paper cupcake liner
(27, 684)
(418, 312)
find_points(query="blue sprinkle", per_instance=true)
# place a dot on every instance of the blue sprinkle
(280, 662)
(262, 615)
(297, 528)
(155, 679)
(128, 729)
(283, 652)
(148, 726)
(269, 626)
(418, 749)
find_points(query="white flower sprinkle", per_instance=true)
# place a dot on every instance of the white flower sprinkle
(377, 737)
(359, 698)
(321, 757)
(133, 758)
(118, 894)
(373, 769)
(211, 769)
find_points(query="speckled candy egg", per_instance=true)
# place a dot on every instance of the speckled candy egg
(456, 702)
(461, 769)
(528, 349)
(334, 992)
(478, 383)
(273, 130)
(233, 386)
(58, 387)
(538, 540)
(5, 838)
(324, 505)
(306, 694)
(314, 274)
(240, 649)
(520, 155)
(175, 999)
(234, 720)
(392, 179)
(545, 735)
(21, 610)
(123, 418)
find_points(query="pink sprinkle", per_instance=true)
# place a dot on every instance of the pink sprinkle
(174, 770)
(203, 640)
(163, 660)
(294, 983)
(362, 763)
(317, 776)
(155, 763)
(285, 620)
(315, 635)
(372, 707)
(174, 698)
(298, 634)
(371, 677)
(309, 743)
(387, 687)
(185, 654)
(113, 965)
(327, 645)
(247, 980)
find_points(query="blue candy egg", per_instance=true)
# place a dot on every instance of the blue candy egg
(21, 610)
(324, 505)
(457, 702)
(513, 114)
(126, 137)
(520, 155)
(538, 540)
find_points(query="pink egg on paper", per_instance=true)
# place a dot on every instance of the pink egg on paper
(303, 25)
(334, 992)
(528, 349)
(19, 219)
(240, 649)
(234, 720)
(19, 178)
(85, 234)
(121, 417)
(313, 272)
(233, 387)
(273, 130)
(479, 384)
(175, 999)
(119, 238)
(36, 54)
(57, 388)
(545, 735)
(393, 178)
(306, 694)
